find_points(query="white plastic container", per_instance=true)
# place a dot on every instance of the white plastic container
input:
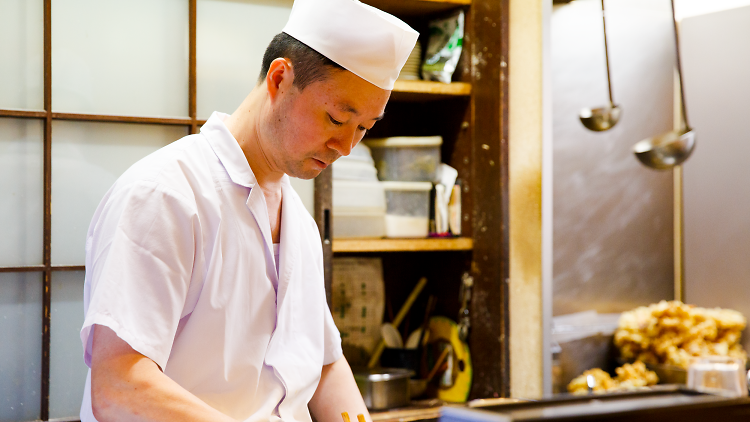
(406, 158)
(358, 224)
(407, 209)
(358, 209)
(358, 165)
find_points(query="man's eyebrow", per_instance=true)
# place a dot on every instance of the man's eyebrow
(350, 109)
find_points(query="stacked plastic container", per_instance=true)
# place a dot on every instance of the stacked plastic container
(407, 166)
(358, 197)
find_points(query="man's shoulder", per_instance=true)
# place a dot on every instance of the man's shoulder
(175, 166)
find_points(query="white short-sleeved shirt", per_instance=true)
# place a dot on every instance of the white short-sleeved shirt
(180, 264)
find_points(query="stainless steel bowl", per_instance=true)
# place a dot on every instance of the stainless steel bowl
(383, 388)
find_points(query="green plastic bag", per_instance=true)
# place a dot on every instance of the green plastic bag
(444, 48)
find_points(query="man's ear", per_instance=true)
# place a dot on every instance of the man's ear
(280, 76)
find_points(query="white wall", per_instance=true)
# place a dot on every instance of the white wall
(716, 61)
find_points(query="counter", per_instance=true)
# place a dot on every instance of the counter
(661, 403)
(658, 404)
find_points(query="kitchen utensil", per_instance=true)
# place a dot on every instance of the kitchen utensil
(424, 330)
(590, 382)
(438, 363)
(672, 148)
(397, 320)
(391, 336)
(401, 358)
(602, 118)
(464, 319)
(383, 388)
(721, 375)
(444, 331)
(413, 341)
(418, 386)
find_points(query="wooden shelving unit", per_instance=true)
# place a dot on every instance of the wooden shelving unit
(470, 114)
(429, 91)
(402, 245)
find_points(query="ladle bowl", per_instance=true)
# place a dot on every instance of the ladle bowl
(601, 118)
(666, 150)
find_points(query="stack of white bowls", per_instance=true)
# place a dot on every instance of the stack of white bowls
(358, 196)
(410, 71)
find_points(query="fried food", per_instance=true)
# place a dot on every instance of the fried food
(629, 377)
(672, 333)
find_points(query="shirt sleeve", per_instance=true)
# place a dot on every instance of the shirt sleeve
(140, 251)
(333, 349)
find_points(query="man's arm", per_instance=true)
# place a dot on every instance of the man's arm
(125, 385)
(337, 393)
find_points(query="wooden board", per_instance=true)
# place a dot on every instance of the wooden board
(417, 7)
(402, 245)
(429, 90)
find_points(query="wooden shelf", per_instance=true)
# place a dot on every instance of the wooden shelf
(429, 90)
(403, 245)
(416, 7)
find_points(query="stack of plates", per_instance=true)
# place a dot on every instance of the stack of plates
(411, 68)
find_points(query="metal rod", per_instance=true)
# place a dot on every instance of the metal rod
(606, 57)
(192, 83)
(679, 67)
(46, 259)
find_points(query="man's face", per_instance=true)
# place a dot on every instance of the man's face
(308, 130)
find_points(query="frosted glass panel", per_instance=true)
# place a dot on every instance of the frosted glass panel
(20, 346)
(87, 158)
(21, 192)
(231, 38)
(67, 370)
(22, 52)
(120, 57)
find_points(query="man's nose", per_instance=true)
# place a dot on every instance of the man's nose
(343, 145)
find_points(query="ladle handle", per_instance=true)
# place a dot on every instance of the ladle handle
(679, 68)
(606, 57)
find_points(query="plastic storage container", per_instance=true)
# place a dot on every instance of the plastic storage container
(358, 209)
(407, 209)
(405, 158)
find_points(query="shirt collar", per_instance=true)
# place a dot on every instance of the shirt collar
(229, 152)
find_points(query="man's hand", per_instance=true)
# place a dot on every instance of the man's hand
(337, 393)
(125, 385)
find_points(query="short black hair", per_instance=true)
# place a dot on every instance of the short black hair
(309, 65)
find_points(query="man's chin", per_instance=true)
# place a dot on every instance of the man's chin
(305, 174)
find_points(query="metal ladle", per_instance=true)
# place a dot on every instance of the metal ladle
(602, 118)
(672, 148)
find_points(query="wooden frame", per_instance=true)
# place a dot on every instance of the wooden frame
(48, 116)
(482, 160)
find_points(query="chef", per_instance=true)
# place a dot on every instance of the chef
(204, 297)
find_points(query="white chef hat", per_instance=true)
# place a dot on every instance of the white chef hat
(362, 39)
